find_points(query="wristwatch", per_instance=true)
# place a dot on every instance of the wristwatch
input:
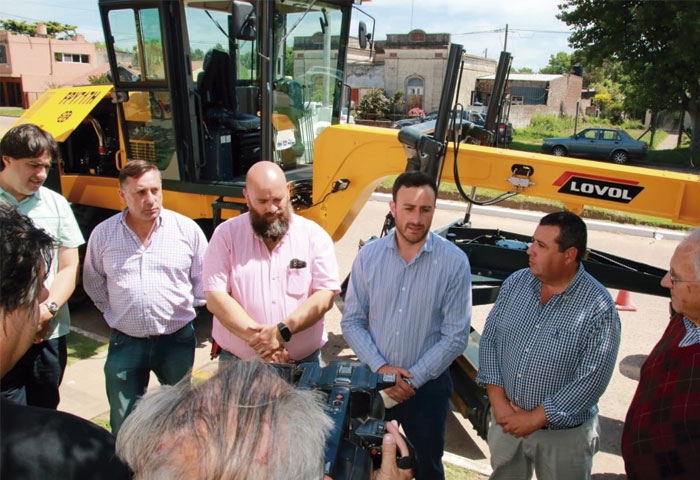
(284, 331)
(52, 307)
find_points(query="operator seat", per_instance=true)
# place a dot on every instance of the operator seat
(216, 89)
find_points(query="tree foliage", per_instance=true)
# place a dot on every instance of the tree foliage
(53, 29)
(655, 44)
(374, 103)
(558, 64)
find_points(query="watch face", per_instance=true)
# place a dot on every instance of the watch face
(53, 307)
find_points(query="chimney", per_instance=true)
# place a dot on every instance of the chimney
(41, 30)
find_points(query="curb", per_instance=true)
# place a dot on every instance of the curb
(526, 215)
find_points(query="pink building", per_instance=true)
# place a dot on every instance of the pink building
(31, 65)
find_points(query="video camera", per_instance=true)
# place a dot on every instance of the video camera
(354, 446)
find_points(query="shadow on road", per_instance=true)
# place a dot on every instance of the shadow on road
(631, 365)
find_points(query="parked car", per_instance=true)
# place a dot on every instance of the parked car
(603, 143)
(344, 116)
(405, 122)
(471, 128)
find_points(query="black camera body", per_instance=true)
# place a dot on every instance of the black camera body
(353, 448)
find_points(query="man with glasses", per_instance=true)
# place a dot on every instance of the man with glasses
(661, 437)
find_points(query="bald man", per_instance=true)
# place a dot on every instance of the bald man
(269, 277)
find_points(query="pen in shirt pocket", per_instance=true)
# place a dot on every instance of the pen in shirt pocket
(296, 263)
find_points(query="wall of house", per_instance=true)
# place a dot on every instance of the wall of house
(564, 92)
(32, 59)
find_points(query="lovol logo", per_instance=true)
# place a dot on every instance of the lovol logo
(592, 186)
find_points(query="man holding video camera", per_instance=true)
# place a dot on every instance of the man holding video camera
(245, 422)
(407, 311)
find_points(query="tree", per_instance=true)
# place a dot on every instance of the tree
(374, 104)
(52, 28)
(558, 64)
(655, 44)
(18, 28)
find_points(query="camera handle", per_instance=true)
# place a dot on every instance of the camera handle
(338, 401)
(371, 434)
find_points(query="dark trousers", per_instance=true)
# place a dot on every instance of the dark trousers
(35, 379)
(423, 418)
(130, 361)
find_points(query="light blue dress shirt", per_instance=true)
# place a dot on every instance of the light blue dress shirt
(414, 315)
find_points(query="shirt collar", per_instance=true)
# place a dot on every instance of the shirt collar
(8, 197)
(427, 245)
(126, 210)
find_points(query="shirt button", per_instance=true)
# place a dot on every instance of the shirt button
(520, 375)
(403, 289)
(400, 310)
(527, 350)
(537, 326)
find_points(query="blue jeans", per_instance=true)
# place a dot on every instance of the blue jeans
(35, 379)
(423, 418)
(131, 359)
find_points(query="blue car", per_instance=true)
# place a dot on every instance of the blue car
(601, 143)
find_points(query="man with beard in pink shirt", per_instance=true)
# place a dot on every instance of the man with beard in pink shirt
(270, 276)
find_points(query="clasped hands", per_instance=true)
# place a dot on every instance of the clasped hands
(267, 344)
(517, 421)
(403, 390)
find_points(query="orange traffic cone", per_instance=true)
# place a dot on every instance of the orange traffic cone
(623, 302)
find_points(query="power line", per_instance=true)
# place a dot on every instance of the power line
(520, 30)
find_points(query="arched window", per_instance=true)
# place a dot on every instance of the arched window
(414, 86)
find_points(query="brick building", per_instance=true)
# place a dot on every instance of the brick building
(535, 93)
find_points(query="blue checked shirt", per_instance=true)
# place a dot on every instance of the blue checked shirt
(146, 290)
(413, 315)
(560, 355)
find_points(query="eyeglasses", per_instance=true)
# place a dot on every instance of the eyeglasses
(675, 280)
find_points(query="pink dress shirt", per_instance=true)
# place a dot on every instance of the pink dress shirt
(265, 284)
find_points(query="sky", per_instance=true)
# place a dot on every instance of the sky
(534, 33)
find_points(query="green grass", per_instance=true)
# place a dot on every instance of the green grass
(81, 347)
(11, 111)
(453, 472)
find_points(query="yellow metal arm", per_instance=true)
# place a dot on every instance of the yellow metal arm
(365, 155)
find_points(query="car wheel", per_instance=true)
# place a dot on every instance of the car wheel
(559, 151)
(620, 157)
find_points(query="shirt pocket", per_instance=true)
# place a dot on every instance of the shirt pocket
(298, 282)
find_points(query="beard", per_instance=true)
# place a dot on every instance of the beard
(271, 227)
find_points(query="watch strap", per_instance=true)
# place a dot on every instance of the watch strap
(285, 332)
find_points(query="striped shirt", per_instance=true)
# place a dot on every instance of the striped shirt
(146, 290)
(560, 355)
(51, 212)
(413, 315)
(692, 334)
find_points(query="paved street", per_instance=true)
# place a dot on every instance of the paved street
(83, 389)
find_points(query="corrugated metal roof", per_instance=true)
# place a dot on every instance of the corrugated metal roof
(530, 77)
